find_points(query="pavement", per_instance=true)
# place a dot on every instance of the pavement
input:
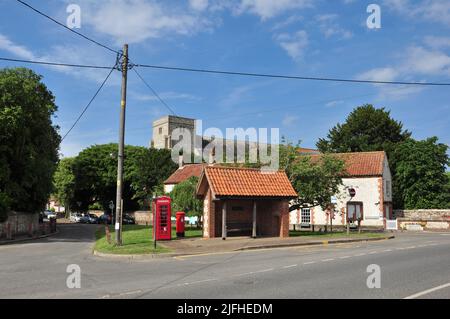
(196, 246)
(411, 265)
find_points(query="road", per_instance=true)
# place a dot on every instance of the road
(412, 265)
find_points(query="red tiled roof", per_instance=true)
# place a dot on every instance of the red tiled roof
(247, 182)
(302, 150)
(185, 172)
(360, 163)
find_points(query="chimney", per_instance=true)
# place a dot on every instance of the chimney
(180, 161)
(212, 156)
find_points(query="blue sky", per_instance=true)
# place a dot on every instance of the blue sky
(294, 37)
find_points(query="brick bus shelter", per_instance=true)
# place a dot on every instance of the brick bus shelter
(244, 202)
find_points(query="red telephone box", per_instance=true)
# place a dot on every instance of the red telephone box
(162, 224)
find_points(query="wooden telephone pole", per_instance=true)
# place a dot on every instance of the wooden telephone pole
(120, 158)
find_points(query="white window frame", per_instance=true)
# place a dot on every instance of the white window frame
(305, 216)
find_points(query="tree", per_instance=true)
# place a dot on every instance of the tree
(29, 142)
(420, 179)
(184, 199)
(95, 171)
(365, 129)
(64, 182)
(154, 167)
(316, 181)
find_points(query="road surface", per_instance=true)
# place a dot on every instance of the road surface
(414, 265)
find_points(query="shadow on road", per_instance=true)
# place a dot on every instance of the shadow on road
(66, 233)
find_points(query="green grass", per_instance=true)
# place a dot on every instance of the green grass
(335, 234)
(137, 239)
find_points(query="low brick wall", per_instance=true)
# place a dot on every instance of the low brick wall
(142, 217)
(423, 219)
(19, 224)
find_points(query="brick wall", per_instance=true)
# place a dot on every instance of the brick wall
(20, 224)
(423, 219)
(142, 217)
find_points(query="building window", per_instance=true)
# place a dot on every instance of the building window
(306, 216)
(160, 130)
(355, 211)
(388, 188)
(237, 208)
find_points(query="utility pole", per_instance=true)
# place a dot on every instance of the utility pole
(123, 104)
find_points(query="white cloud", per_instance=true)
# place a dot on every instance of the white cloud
(64, 54)
(294, 44)
(134, 21)
(199, 5)
(379, 74)
(20, 51)
(334, 103)
(427, 62)
(287, 22)
(330, 27)
(267, 9)
(170, 95)
(437, 42)
(430, 10)
(289, 120)
(417, 62)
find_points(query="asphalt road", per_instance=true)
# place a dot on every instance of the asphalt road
(412, 265)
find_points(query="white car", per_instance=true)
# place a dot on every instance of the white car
(75, 217)
(49, 214)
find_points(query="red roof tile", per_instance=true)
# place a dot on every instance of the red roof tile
(185, 172)
(246, 182)
(360, 163)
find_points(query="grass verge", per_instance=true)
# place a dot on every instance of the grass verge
(137, 240)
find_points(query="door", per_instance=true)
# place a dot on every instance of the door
(164, 221)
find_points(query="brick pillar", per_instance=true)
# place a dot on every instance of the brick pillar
(205, 223)
(284, 219)
(212, 218)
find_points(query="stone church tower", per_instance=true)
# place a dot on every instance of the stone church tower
(163, 128)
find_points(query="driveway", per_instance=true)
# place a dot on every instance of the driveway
(413, 264)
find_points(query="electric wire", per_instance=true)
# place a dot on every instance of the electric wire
(90, 102)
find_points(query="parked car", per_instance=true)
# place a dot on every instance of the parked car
(105, 219)
(89, 219)
(75, 217)
(128, 220)
(49, 214)
(108, 219)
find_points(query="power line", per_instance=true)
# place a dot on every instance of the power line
(154, 92)
(66, 27)
(57, 64)
(289, 77)
(90, 102)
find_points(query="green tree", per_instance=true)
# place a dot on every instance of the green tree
(64, 182)
(365, 129)
(184, 199)
(154, 167)
(29, 141)
(95, 171)
(316, 181)
(420, 174)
